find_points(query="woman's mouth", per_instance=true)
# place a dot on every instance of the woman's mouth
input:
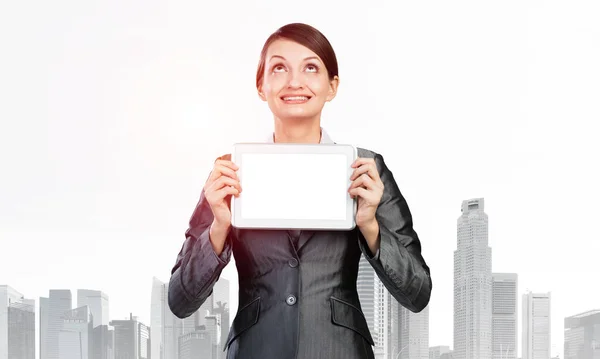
(295, 99)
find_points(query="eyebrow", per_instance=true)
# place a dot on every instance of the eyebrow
(306, 58)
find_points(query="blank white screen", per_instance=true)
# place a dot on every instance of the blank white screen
(294, 186)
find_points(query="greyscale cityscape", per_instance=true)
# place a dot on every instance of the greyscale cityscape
(485, 317)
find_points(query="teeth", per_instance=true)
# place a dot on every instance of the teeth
(295, 98)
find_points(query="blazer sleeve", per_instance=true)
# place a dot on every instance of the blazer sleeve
(398, 262)
(198, 267)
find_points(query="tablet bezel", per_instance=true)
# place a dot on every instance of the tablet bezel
(292, 148)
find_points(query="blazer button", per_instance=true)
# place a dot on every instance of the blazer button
(291, 300)
(293, 262)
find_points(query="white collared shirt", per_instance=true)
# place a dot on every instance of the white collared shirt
(325, 139)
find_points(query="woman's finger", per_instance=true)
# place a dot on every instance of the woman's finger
(225, 181)
(360, 192)
(365, 181)
(369, 168)
(362, 161)
(218, 196)
(226, 191)
(223, 168)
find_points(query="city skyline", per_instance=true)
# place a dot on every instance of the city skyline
(109, 133)
(395, 330)
(405, 341)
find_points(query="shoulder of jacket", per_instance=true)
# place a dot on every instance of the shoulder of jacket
(366, 153)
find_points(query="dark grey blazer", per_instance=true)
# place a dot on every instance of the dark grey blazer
(299, 300)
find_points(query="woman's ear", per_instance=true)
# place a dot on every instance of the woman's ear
(261, 94)
(333, 87)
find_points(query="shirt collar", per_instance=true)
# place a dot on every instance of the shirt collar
(325, 139)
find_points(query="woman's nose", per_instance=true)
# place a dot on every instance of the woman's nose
(295, 79)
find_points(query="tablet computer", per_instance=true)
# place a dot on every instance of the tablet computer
(294, 186)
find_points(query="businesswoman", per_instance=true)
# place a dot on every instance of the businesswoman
(297, 290)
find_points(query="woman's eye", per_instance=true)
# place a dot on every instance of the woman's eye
(278, 68)
(312, 68)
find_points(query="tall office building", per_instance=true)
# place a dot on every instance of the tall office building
(195, 345)
(220, 292)
(437, 351)
(377, 305)
(166, 327)
(414, 334)
(220, 305)
(131, 339)
(213, 325)
(43, 323)
(21, 329)
(222, 309)
(102, 343)
(582, 335)
(57, 304)
(190, 323)
(97, 302)
(157, 301)
(393, 326)
(536, 326)
(472, 284)
(74, 336)
(17, 325)
(504, 315)
(365, 285)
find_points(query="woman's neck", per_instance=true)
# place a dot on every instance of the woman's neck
(301, 131)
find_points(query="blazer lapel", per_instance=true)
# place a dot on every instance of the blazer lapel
(305, 235)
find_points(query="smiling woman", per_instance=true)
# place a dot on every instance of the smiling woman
(297, 74)
(297, 290)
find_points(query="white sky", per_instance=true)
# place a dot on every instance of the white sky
(112, 114)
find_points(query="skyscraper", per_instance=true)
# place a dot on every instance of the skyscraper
(504, 315)
(74, 336)
(220, 292)
(536, 326)
(205, 310)
(195, 345)
(472, 284)
(437, 351)
(165, 326)
(221, 307)
(365, 285)
(43, 325)
(414, 334)
(101, 343)
(376, 303)
(97, 302)
(213, 325)
(582, 335)
(132, 339)
(393, 326)
(17, 325)
(57, 304)
(21, 330)
(157, 302)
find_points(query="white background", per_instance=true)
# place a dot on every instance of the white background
(113, 112)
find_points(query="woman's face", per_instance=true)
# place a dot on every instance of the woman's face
(295, 82)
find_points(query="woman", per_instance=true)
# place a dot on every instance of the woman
(297, 290)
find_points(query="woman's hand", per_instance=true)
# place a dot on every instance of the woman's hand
(368, 188)
(222, 183)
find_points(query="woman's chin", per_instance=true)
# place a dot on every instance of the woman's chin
(297, 116)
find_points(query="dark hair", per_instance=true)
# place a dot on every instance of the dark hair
(304, 35)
